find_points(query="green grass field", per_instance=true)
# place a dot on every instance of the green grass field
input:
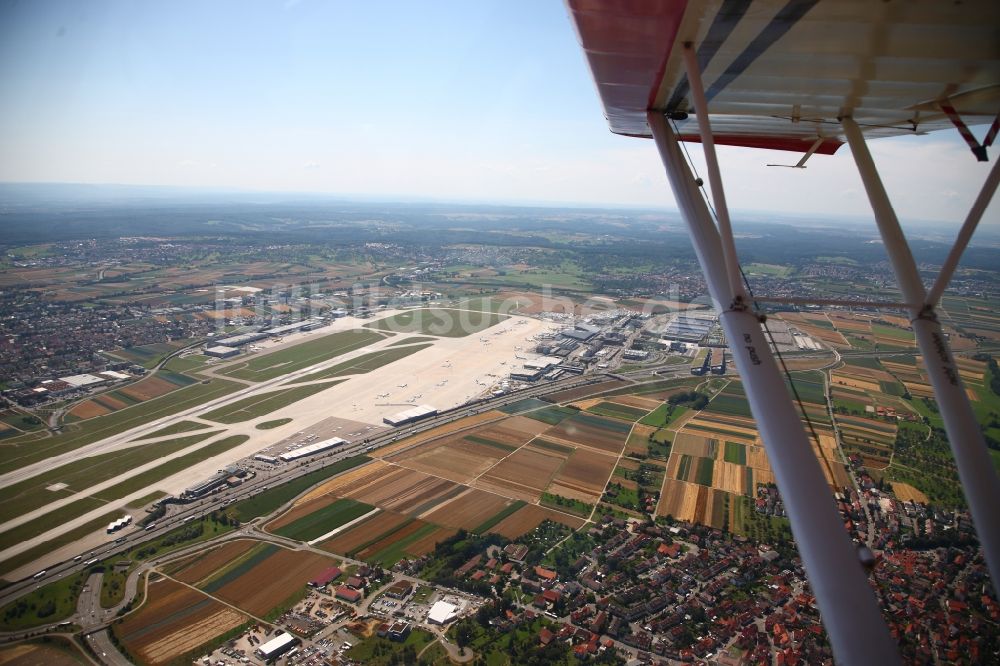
(50, 603)
(438, 321)
(394, 552)
(175, 429)
(276, 423)
(735, 453)
(663, 416)
(265, 403)
(566, 504)
(410, 341)
(617, 411)
(552, 415)
(320, 522)
(149, 355)
(364, 363)
(18, 455)
(58, 517)
(269, 500)
(703, 474)
(30, 494)
(289, 359)
(67, 537)
(508, 510)
(727, 403)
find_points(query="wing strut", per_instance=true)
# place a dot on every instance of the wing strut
(975, 469)
(847, 604)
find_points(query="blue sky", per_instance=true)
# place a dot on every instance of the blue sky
(476, 100)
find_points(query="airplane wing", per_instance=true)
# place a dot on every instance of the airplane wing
(779, 73)
(809, 76)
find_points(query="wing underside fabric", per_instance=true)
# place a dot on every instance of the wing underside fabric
(779, 73)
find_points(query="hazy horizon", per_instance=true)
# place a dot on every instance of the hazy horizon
(479, 102)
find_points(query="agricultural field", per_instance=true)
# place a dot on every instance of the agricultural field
(195, 568)
(161, 383)
(264, 403)
(361, 535)
(730, 400)
(50, 651)
(531, 516)
(551, 415)
(618, 411)
(459, 457)
(265, 579)
(524, 474)
(148, 356)
(468, 510)
(438, 321)
(583, 475)
(174, 622)
(286, 359)
(405, 490)
(592, 431)
(319, 519)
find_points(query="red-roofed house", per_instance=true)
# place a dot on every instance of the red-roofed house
(545, 574)
(348, 594)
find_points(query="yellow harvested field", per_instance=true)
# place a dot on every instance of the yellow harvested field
(757, 457)
(440, 431)
(738, 431)
(827, 441)
(678, 499)
(728, 476)
(586, 404)
(919, 390)
(691, 444)
(853, 381)
(403, 489)
(346, 479)
(453, 458)
(905, 492)
(826, 335)
(186, 639)
(638, 401)
(522, 425)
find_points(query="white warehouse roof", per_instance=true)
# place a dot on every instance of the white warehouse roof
(442, 612)
(313, 449)
(276, 645)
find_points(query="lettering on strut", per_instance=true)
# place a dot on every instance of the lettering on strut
(946, 365)
(751, 350)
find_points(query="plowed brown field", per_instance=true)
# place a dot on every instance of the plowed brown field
(274, 580)
(206, 563)
(174, 620)
(528, 518)
(468, 510)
